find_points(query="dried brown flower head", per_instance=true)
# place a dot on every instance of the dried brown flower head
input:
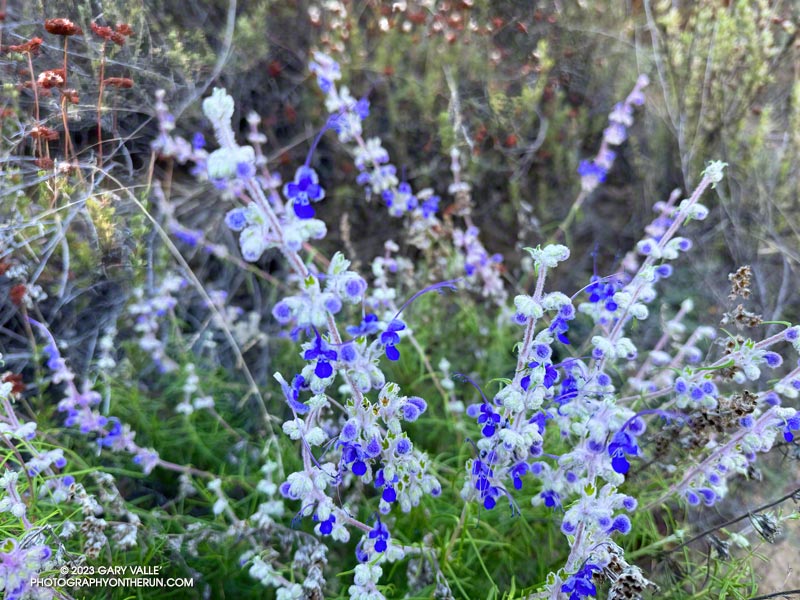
(62, 27)
(44, 163)
(766, 525)
(50, 79)
(31, 46)
(124, 29)
(740, 282)
(119, 82)
(17, 384)
(17, 294)
(742, 318)
(105, 32)
(44, 133)
(71, 95)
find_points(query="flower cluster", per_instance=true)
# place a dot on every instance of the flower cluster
(376, 173)
(593, 172)
(368, 443)
(80, 409)
(149, 314)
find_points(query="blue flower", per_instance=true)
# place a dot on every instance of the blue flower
(591, 174)
(481, 480)
(622, 444)
(198, 141)
(430, 206)
(353, 455)
(516, 474)
(323, 354)
(379, 533)
(551, 498)
(489, 418)
(368, 326)
(326, 526)
(304, 190)
(580, 585)
(390, 338)
(792, 424)
(293, 393)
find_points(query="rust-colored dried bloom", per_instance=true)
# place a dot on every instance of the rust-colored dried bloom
(62, 27)
(31, 46)
(71, 95)
(124, 29)
(17, 294)
(15, 379)
(102, 31)
(44, 163)
(50, 79)
(44, 133)
(107, 33)
(119, 82)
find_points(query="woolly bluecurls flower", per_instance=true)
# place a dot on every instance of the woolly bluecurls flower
(579, 585)
(371, 153)
(365, 583)
(148, 314)
(371, 159)
(304, 190)
(622, 444)
(401, 200)
(326, 69)
(308, 309)
(706, 482)
(348, 285)
(322, 355)
(390, 338)
(600, 295)
(596, 510)
(22, 563)
(479, 265)
(361, 363)
(369, 326)
(593, 172)
(79, 407)
(292, 393)
(702, 394)
(380, 535)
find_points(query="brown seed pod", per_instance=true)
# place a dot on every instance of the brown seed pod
(62, 27)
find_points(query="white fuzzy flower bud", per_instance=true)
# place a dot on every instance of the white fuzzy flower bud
(218, 107)
(528, 307)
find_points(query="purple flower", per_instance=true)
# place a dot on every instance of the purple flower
(304, 190)
(390, 338)
(323, 355)
(379, 533)
(580, 585)
(368, 326)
